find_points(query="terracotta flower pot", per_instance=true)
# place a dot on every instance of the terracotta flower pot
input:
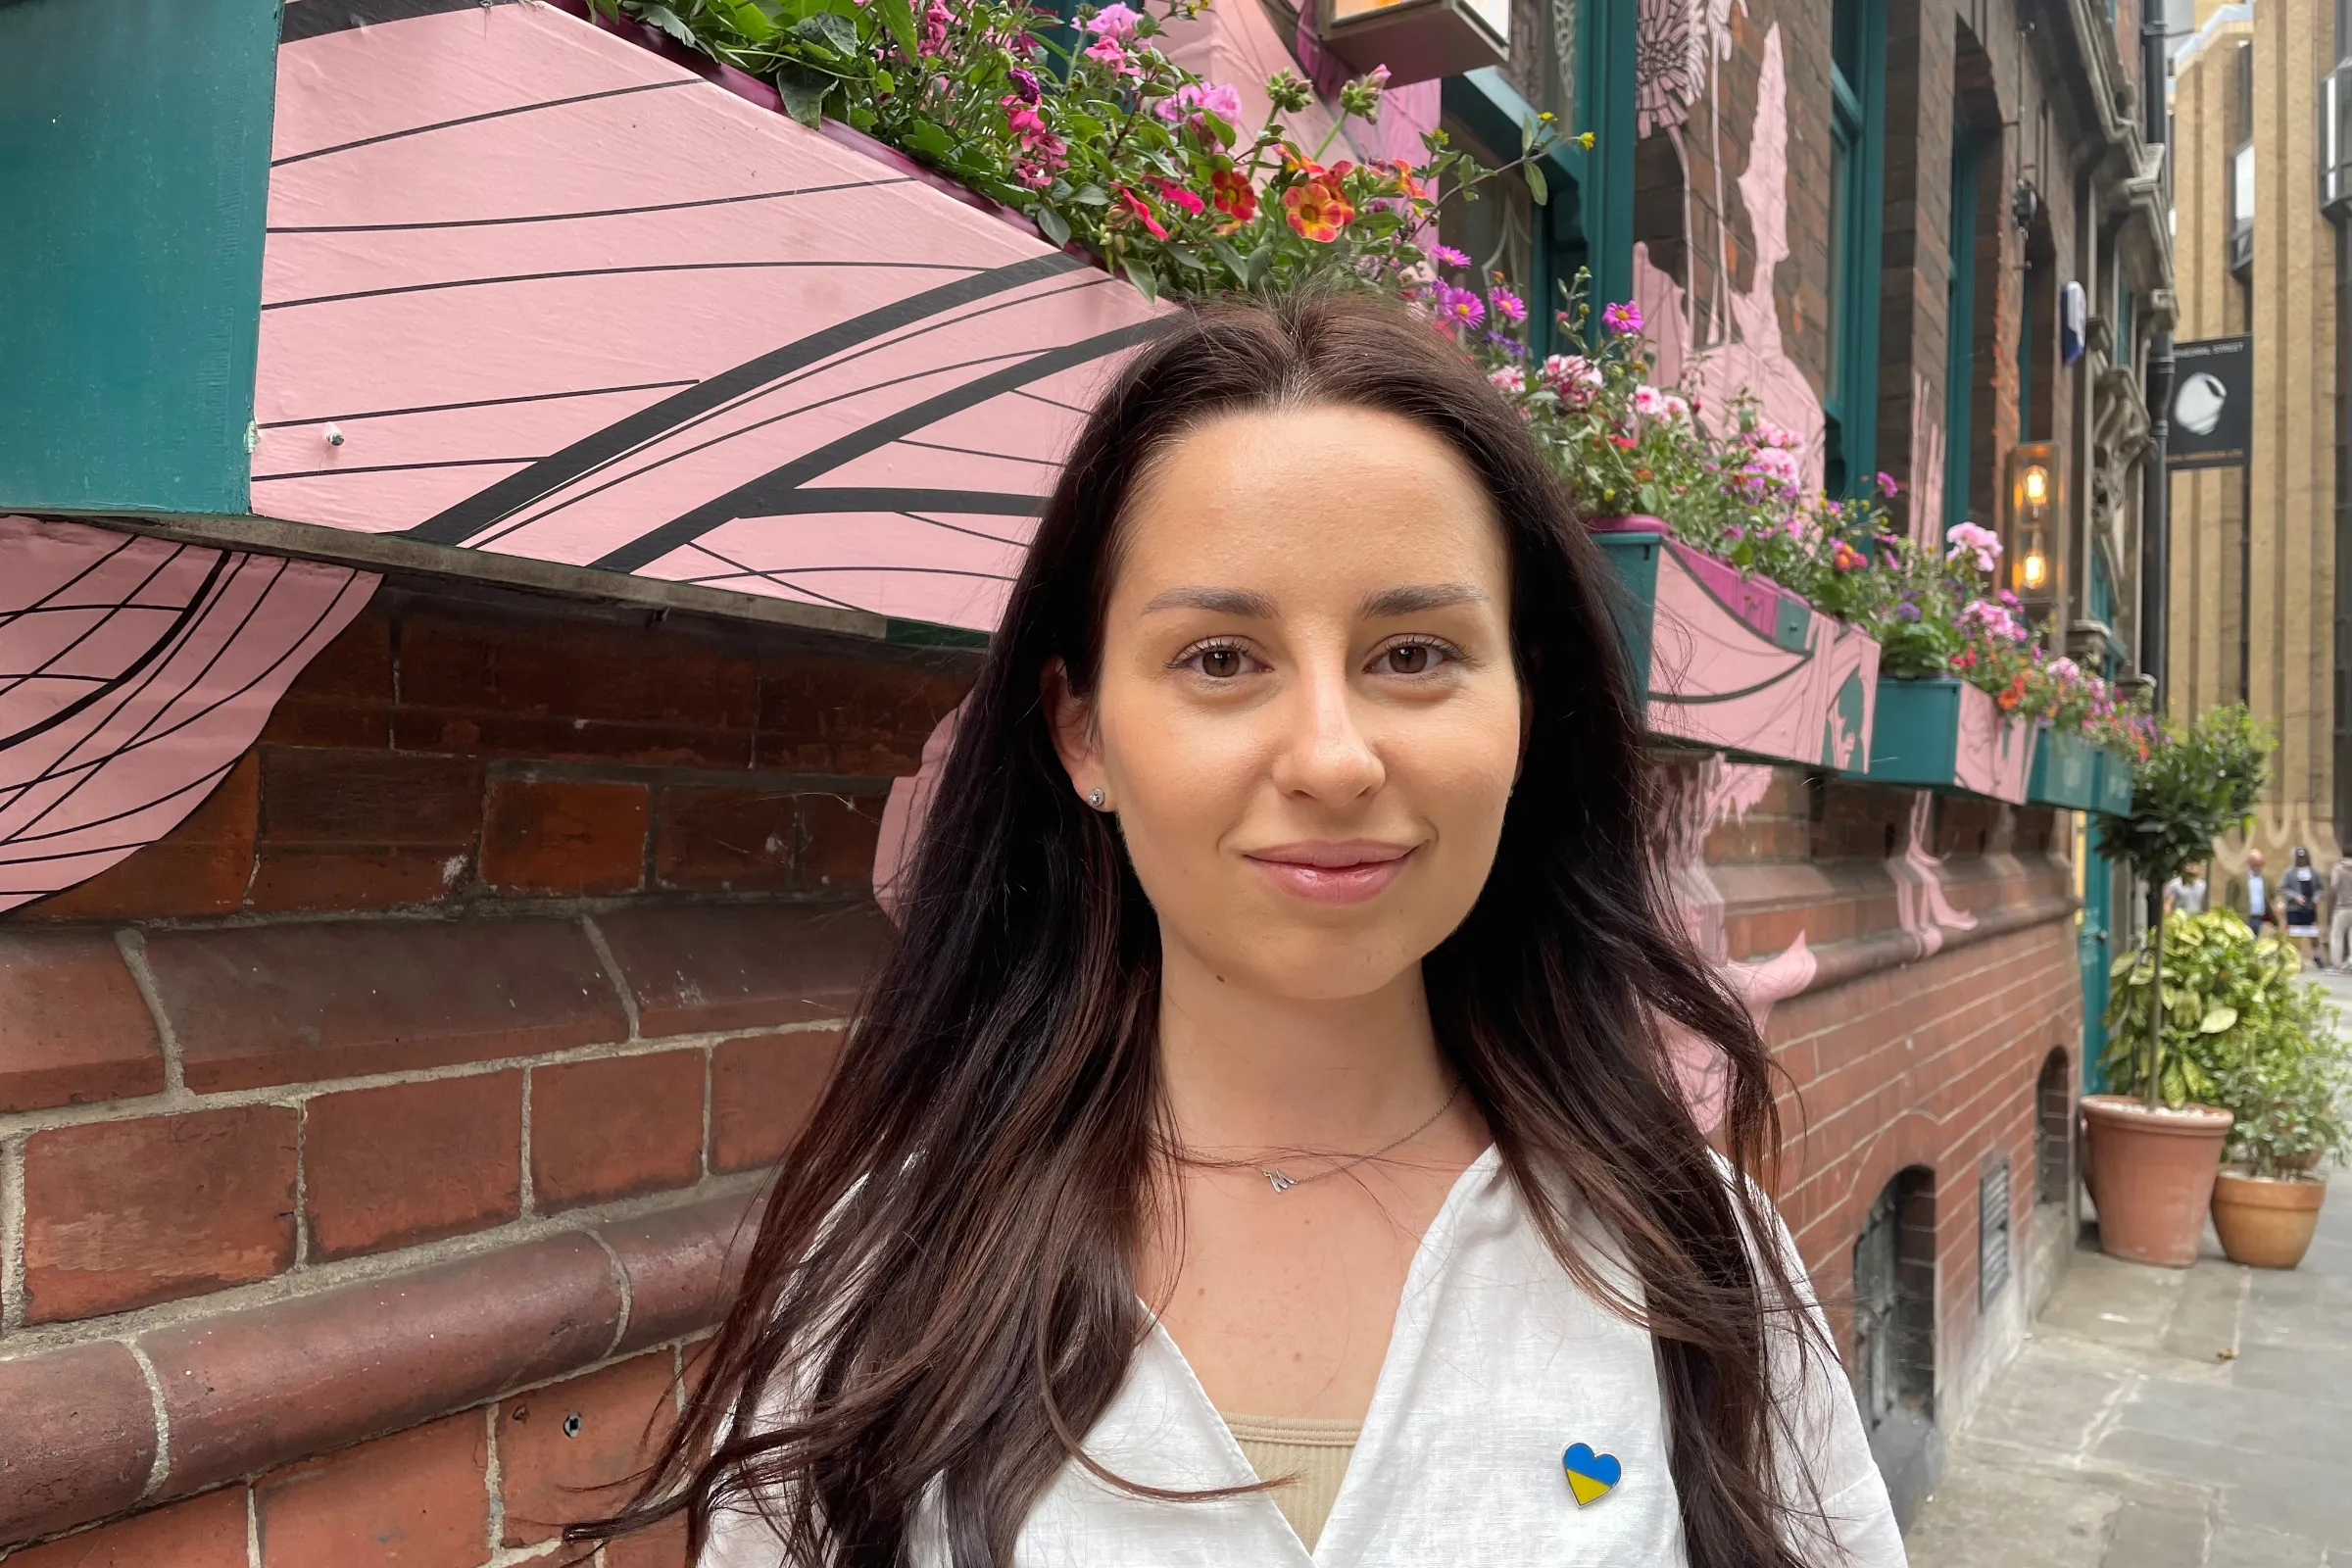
(2155, 1176)
(2265, 1223)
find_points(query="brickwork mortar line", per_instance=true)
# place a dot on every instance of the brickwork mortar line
(12, 1236)
(612, 973)
(13, 1123)
(526, 1191)
(134, 946)
(159, 1471)
(316, 1278)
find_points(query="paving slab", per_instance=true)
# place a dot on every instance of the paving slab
(2166, 1418)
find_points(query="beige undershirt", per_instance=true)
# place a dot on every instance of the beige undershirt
(1313, 1455)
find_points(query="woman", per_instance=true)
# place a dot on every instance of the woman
(2299, 898)
(1259, 1147)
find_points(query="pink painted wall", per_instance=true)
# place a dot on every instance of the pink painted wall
(563, 298)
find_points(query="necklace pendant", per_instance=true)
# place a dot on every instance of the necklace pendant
(1278, 1181)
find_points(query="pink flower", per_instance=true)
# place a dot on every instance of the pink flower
(1115, 20)
(1106, 52)
(1190, 99)
(1021, 118)
(1573, 376)
(1178, 197)
(1448, 256)
(1509, 378)
(1509, 306)
(1677, 407)
(1967, 539)
(1649, 402)
(1886, 484)
(1622, 318)
(936, 20)
(1135, 205)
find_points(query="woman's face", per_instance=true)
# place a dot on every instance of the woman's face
(1307, 718)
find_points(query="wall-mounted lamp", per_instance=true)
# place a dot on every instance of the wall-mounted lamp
(2025, 204)
(2030, 492)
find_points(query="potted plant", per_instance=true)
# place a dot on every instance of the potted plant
(2287, 1092)
(2153, 1157)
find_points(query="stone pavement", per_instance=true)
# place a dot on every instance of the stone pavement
(2161, 1418)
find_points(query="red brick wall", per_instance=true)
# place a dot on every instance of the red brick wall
(404, 1103)
(407, 1101)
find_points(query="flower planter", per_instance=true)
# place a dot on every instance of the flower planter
(2265, 1223)
(2114, 795)
(1737, 663)
(2152, 1176)
(1946, 734)
(2066, 772)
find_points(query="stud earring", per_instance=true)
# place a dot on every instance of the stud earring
(1094, 798)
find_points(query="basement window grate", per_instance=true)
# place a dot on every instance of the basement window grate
(1992, 1230)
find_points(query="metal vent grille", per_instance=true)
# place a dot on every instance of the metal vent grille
(1993, 1231)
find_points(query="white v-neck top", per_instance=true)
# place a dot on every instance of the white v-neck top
(1497, 1363)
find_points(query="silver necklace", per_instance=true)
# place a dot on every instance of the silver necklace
(1283, 1182)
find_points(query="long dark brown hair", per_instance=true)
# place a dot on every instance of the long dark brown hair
(941, 1299)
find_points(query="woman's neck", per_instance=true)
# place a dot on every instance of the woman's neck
(1244, 1070)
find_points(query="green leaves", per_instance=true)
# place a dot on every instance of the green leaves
(1537, 190)
(803, 89)
(898, 20)
(2217, 1021)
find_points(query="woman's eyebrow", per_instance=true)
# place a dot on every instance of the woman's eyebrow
(1419, 597)
(1220, 601)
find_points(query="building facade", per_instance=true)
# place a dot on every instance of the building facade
(2258, 615)
(382, 1093)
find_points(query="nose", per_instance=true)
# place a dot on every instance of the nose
(1325, 755)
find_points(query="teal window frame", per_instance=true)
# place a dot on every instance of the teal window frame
(1588, 220)
(1858, 138)
(1959, 360)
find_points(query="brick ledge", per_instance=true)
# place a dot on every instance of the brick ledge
(175, 1409)
(1852, 960)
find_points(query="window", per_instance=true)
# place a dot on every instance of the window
(2055, 1108)
(1960, 323)
(1857, 158)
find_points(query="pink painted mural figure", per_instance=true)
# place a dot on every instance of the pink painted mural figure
(133, 674)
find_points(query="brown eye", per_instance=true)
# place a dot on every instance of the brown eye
(1220, 662)
(1409, 658)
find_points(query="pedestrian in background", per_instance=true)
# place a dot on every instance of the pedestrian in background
(2251, 895)
(2185, 893)
(2340, 912)
(2299, 898)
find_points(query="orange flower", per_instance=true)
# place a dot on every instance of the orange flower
(1318, 210)
(1406, 184)
(1233, 196)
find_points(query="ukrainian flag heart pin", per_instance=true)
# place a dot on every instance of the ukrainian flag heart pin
(1590, 1476)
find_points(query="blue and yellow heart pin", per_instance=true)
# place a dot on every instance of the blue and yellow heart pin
(1590, 1476)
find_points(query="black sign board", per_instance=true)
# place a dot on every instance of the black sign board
(2212, 417)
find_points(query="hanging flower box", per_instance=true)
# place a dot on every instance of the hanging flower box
(1737, 663)
(2113, 793)
(1946, 734)
(2066, 771)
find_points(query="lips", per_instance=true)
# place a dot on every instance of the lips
(1332, 873)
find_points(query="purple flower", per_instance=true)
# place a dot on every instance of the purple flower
(1448, 256)
(1625, 316)
(1025, 83)
(1886, 484)
(1460, 306)
(1507, 305)
(1906, 610)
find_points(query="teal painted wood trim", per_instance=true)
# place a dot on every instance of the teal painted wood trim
(1633, 558)
(135, 180)
(1960, 307)
(1865, 229)
(2066, 772)
(1606, 103)
(1915, 739)
(2115, 784)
